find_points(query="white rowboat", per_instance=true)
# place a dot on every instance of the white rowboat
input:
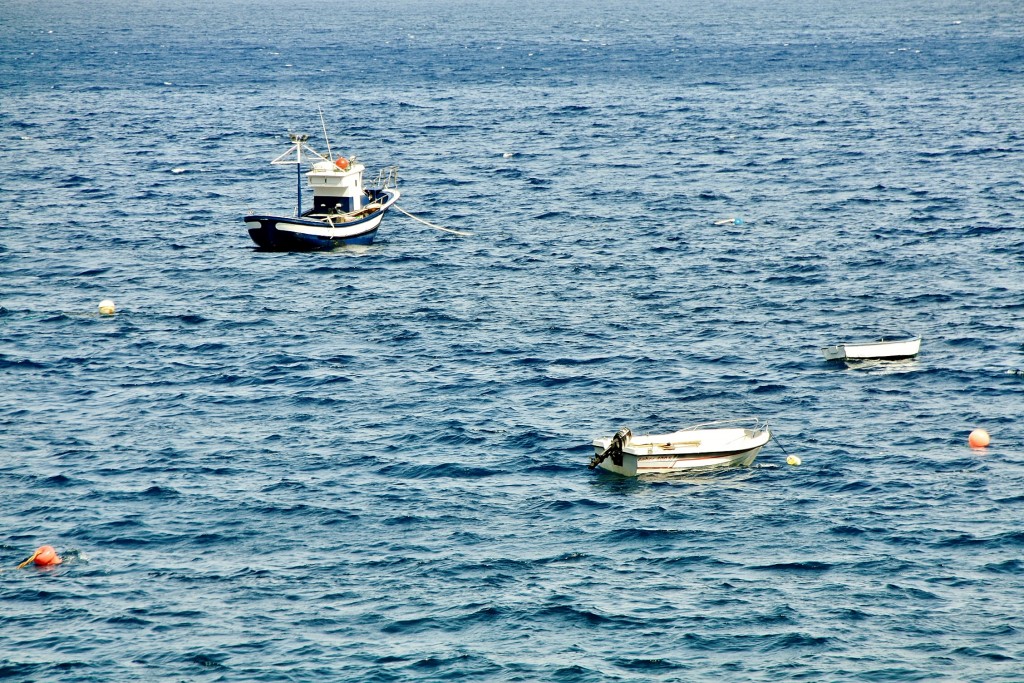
(889, 348)
(697, 447)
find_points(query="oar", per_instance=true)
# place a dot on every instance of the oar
(428, 223)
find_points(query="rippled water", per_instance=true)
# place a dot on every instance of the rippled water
(371, 464)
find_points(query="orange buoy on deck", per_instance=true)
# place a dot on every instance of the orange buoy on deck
(978, 439)
(44, 556)
(341, 163)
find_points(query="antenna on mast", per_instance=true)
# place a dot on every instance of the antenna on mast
(330, 157)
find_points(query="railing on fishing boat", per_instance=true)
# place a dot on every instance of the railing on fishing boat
(387, 177)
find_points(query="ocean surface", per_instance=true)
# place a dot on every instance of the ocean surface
(371, 464)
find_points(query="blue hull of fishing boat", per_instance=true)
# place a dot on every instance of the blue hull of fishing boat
(268, 236)
(312, 233)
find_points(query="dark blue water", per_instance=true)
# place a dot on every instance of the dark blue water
(370, 465)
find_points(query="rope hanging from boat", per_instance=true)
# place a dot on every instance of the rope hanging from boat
(614, 448)
(779, 444)
(428, 223)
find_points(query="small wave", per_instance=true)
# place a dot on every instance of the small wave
(6, 362)
(654, 666)
(1013, 566)
(208, 660)
(769, 389)
(415, 625)
(809, 566)
(161, 492)
(445, 471)
(911, 592)
(630, 535)
(980, 653)
(75, 181)
(571, 614)
(982, 230)
(790, 641)
(585, 504)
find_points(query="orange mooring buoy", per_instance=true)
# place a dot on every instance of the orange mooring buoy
(978, 438)
(44, 556)
(341, 163)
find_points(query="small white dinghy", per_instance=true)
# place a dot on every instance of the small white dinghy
(710, 444)
(890, 347)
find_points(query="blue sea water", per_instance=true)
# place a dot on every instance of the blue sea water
(370, 465)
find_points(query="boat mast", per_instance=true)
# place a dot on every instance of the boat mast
(298, 139)
(298, 143)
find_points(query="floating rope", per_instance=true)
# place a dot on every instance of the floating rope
(29, 561)
(779, 444)
(428, 223)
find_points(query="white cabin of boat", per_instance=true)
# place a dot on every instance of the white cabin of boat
(337, 186)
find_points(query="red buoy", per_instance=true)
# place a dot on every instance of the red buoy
(341, 163)
(44, 556)
(978, 439)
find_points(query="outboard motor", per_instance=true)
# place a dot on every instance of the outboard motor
(614, 449)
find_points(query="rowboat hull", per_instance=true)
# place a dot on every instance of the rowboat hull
(887, 350)
(633, 465)
(685, 450)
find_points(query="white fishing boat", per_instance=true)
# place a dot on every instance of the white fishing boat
(889, 347)
(344, 211)
(711, 444)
